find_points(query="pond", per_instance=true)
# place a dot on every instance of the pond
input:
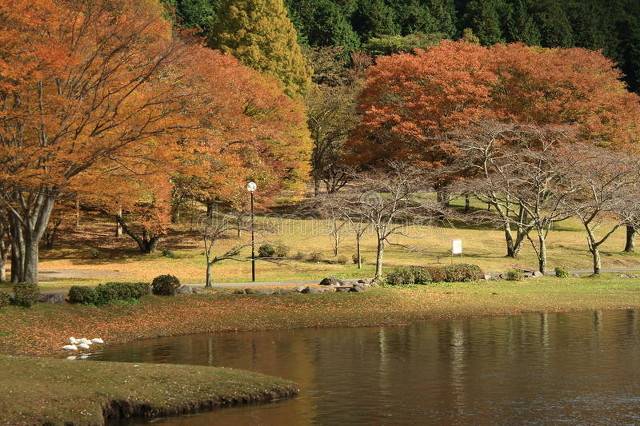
(576, 368)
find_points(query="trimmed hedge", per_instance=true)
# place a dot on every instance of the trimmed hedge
(408, 275)
(165, 285)
(463, 272)
(437, 273)
(5, 299)
(107, 293)
(26, 295)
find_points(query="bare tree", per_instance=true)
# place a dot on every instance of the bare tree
(390, 201)
(522, 174)
(349, 213)
(213, 228)
(607, 188)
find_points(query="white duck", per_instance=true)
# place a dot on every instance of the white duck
(70, 348)
(98, 340)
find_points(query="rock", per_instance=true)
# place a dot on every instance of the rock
(301, 289)
(84, 346)
(331, 281)
(98, 341)
(537, 274)
(239, 292)
(54, 298)
(185, 289)
(249, 291)
(72, 340)
(314, 290)
(265, 292)
(358, 289)
(304, 290)
(344, 289)
(488, 277)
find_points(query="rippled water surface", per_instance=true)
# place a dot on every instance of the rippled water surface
(578, 368)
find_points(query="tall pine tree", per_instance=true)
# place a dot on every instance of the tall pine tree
(260, 34)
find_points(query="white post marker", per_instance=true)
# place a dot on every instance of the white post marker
(456, 248)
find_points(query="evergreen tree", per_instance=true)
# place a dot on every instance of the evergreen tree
(551, 20)
(483, 17)
(521, 26)
(413, 16)
(260, 34)
(199, 14)
(444, 14)
(323, 23)
(374, 18)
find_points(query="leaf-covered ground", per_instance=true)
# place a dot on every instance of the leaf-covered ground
(43, 330)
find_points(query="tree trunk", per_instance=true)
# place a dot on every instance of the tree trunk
(379, 258)
(316, 187)
(77, 213)
(358, 255)
(542, 254)
(336, 239)
(119, 224)
(509, 240)
(467, 204)
(210, 208)
(597, 261)
(209, 276)
(3, 261)
(630, 245)
(31, 256)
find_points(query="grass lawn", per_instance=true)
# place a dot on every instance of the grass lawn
(92, 254)
(44, 329)
(58, 392)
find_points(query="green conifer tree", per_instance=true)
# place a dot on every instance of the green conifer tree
(260, 34)
(483, 17)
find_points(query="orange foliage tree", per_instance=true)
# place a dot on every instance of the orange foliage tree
(101, 94)
(412, 102)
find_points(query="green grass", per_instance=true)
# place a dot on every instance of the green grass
(57, 392)
(424, 245)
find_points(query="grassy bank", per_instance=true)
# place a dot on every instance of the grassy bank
(57, 392)
(43, 329)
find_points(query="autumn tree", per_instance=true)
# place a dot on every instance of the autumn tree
(81, 83)
(260, 34)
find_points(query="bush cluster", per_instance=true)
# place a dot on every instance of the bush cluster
(281, 250)
(355, 259)
(104, 294)
(342, 260)
(266, 250)
(315, 256)
(437, 274)
(165, 285)
(26, 295)
(463, 272)
(514, 275)
(562, 272)
(5, 299)
(408, 275)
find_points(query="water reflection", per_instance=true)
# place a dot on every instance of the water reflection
(578, 368)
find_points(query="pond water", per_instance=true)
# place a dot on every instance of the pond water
(577, 368)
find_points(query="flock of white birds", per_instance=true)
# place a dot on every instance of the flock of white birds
(81, 344)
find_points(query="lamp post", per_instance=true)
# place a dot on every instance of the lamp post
(251, 187)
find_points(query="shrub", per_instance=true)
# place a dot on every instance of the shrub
(342, 260)
(438, 273)
(562, 272)
(165, 285)
(26, 294)
(315, 256)
(463, 273)
(421, 275)
(108, 293)
(168, 254)
(5, 299)
(281, 250)
(401, 276)
(82, 295)
(266, 250)
(514, 275)
(355, 259)
(299, 256)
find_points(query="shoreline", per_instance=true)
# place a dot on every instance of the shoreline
(44, 329)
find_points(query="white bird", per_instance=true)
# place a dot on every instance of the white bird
(84, 346)
(70, 347)
(98, 341)
(73, 340)
(71, 358)
(85, 340)
(84, 356)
